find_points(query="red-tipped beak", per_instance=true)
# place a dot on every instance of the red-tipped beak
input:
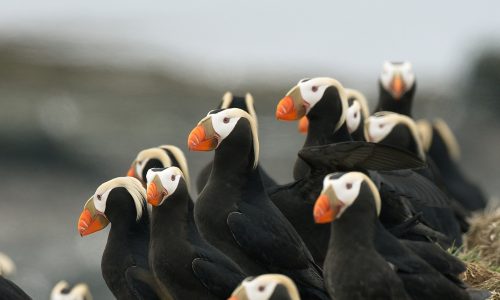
(303, 125)
(153, 196)
(198, 140)
(286, 110)
(397, 86)
(89, 223)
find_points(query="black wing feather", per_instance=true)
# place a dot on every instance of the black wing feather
(358, 155)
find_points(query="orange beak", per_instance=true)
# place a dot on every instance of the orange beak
(303, 125)
(91, 222)
(232, 298)
(322, 211)
(153, 196)
(397, 86)
(131, 171)
(199, 141)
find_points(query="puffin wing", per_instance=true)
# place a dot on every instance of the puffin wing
(143, 283)
(411, 185)
(358, 155)
(270, 238)
(220, 279)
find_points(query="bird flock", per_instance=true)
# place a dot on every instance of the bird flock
(375, 203)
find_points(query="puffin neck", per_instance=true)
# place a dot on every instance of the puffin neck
(127, 229)
(402, 106)
(357, 224)
(174, 213)
(235, 155)
(322, 132)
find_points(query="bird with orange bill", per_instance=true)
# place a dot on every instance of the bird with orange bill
(121, 202)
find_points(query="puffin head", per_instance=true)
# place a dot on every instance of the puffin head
(340, 190)
(311, 97)
(62, 291)
(397, 78)
(222, 125)
(266, 287)
(396, 130)
(119, 198)
(162, 183)
(356, 113)
(158, 157)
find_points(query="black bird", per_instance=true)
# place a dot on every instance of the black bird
(401, 131)
(10, 291)
(234, 213)
(247, 104)
(266, 287)
(375, 259)
(356, 115)
(397, 85)
(124, 265)
(180, 258)
(163, 156)
(323, 100)
(62, 291)
(442, 147)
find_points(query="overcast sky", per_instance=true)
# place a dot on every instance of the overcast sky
(231, 39)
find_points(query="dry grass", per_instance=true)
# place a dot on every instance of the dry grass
(483, 238)
(481, 252)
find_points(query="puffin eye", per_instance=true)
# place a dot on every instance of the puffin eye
(355, 114)
(381, 126)
(172, 177)
(314, 88)
(261, 288)
(98, 197)
(348, 186)
(225, 120)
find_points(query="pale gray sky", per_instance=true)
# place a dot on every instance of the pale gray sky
(229, 40)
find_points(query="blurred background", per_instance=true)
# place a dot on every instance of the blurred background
(85, 85)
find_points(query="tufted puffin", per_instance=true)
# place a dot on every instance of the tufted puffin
(234, 213)
(323, 100)
(266, 287)
(443, 148)
(401, 131)
(180, 258)
(124, 265)
(247, 104)
(397, 85)
(364, 260)
(356, 115)
(9, 290)
(158, 157)
(62, 291)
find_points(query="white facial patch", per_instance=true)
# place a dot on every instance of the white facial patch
(144, 156)
(378, 127)
(79, 292)
(169, 178)
(224, 123)
(353, 116)
(404, 69)
(347, 188)
(259, 288)
(100, 198)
